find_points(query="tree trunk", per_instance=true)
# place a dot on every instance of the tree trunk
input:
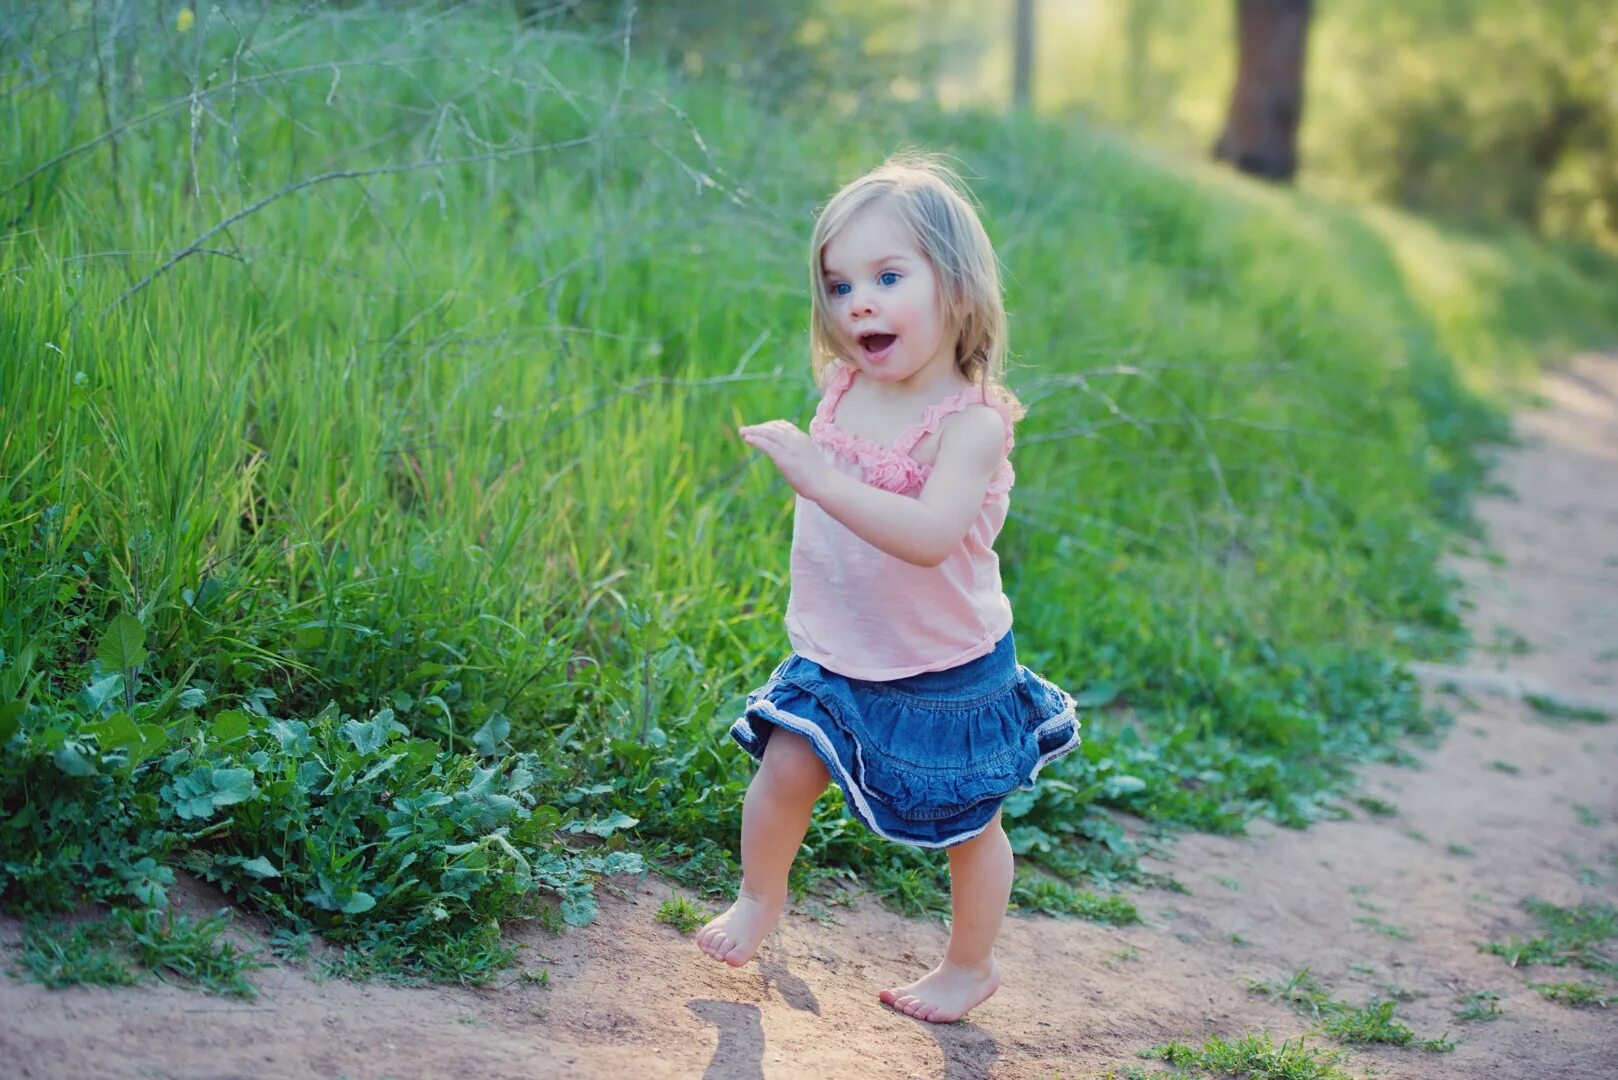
(1261, 129)
(1022, 68)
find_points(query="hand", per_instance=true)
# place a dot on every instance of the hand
(800, 463)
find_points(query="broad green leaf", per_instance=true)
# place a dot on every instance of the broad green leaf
(372, 735)
(123, 644)
(228, 726)
(153, 740)
(260, 868)
(115, 732)
(579, 908)
(1096, 695)
(100, 691)
(293, 735)
(381, 767)
(232, 786)
(1123, 785)
(360, 901)
(10, 719)
(72, 760)
(605, 826)
(491, 735)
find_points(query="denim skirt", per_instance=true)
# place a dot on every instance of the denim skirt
(927, 759)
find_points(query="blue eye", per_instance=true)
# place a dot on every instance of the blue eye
(841, 288)
(888, 277)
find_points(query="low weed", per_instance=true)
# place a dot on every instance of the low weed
(1554, 709)
(1252, 1055)
(1505, 641)
(1479, 1005)
(1043, 894)
(1455, 847)
(1386, 929)
(1579, 935)
(1374, 1023)
(1587, 817)
(683, 915)
(344, 826)
(1122, 956)
(1375, 806)
(1505, 766)
(1578, 995)
(125, 946)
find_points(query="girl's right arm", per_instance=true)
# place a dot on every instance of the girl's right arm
(921, 530)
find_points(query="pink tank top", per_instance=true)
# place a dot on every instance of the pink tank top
(865, 614)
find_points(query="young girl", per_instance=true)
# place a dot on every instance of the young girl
(903, 685)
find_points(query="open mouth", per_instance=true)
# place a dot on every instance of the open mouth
(875, 344)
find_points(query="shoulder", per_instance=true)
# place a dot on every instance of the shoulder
(976, 431)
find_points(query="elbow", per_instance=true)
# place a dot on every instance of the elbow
(928, 558)
(932, 551)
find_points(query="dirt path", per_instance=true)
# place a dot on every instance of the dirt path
(631, 997)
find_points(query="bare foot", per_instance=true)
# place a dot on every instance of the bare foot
(944, 994)
(735, 936)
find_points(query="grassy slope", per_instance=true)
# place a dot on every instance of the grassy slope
(455, 441)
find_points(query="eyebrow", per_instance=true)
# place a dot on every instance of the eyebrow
(827, 271)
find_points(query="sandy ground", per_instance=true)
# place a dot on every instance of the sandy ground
(630, 996)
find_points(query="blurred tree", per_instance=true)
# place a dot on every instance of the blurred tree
(1022, 70)
(1261, 128)
(780, 51)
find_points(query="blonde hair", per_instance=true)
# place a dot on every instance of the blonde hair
(934, 204)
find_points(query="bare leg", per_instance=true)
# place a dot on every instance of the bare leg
(980, 887)
(775, 815)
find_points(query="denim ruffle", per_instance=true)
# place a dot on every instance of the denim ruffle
(927, 759)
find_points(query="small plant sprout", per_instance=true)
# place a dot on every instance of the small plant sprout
(681, 914)
(1479, 1005)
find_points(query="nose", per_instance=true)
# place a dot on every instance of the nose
(860, 303)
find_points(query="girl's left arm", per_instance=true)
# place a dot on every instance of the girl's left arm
(922, 530)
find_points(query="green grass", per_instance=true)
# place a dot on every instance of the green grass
(1398, 933)
(683, 915)
(1582, 934)
(1373, 1023)
(1375, 806)
(1054, 897)
(1252, 1055)
(1555, 709)
(386, 556)
(127, 947)
(1578, 995)
(1479, 1005)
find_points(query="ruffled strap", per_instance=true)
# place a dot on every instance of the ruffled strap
(841, 378)
(935, 414)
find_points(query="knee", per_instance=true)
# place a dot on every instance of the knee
(792, 767)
